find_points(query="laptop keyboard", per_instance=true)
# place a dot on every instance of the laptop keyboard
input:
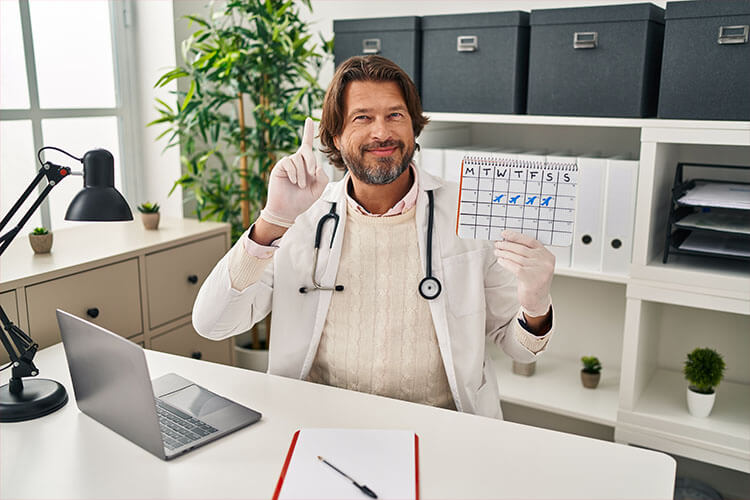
(179, 428)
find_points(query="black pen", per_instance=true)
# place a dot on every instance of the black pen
(364, 489)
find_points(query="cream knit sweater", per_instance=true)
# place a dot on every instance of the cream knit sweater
(378, 335)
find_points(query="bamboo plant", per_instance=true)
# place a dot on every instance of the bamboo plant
(251, 73)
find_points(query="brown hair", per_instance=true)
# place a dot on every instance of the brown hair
(363, 68)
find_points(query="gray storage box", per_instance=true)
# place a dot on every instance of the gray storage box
(706, 69)
(475, 63)
(596, 61)
(396, 38)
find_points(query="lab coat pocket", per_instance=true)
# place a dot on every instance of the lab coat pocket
(464, 283)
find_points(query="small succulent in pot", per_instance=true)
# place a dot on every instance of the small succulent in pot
(41, 240)
(591, 371)
(149, 214)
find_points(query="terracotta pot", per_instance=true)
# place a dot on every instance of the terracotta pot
(525, 369)
(150, 220)
(590, 380)
(41, 243)
(700, 405)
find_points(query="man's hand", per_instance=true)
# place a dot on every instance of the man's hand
(296, 182)
(534, 267)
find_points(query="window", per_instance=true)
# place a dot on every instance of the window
(61, 84)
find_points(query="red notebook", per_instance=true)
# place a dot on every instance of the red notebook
(385, 461)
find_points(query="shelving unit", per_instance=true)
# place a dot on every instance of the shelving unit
(641, 325)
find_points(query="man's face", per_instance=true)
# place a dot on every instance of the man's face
(377, 140)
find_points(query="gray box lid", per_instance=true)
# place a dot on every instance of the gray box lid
(599, 14)
(479, 20)
(405, 23)
(703, 8)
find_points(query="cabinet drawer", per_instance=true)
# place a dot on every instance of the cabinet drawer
(10, 306)
(108, 296)
(184, 341)
(174, 276)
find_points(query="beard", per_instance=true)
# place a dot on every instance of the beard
(378, 171)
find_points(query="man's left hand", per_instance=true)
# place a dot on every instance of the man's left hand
(534, 267)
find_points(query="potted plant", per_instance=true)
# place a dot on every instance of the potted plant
(41, 240)
(149, 215)
(525, 369)
(704, 369)
(591, 371)
(248, 81)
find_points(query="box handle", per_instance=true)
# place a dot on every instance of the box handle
(733, 34)
(371, 46)
(585, 39)
(467, 43)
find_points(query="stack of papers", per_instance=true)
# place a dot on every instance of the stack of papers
(715, 194)
(717, 244)
(717, 219)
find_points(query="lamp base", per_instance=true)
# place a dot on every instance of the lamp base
(39, 397)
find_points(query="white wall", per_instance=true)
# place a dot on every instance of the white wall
(153, 25)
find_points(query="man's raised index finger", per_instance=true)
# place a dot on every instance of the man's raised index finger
(307, 134)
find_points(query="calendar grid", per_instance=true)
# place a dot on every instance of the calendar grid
(533, 198)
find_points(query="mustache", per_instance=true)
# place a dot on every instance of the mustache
(382, 145)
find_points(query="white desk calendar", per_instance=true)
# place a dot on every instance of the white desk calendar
(535, 198)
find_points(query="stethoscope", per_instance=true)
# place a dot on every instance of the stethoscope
(429, 287)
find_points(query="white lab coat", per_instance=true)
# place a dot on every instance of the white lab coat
(478, 299)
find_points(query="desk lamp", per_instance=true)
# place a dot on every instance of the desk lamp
(98, 201)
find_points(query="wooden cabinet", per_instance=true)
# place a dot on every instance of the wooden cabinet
(10, 305)
(174, 276)
(185, 341)
(108, 296)
(137, 283)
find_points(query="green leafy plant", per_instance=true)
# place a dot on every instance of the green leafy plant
(38, 231)
(591, 364)
(148, 208)
(256, 54)
(704, 369)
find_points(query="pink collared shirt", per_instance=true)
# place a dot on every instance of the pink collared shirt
(404, 204)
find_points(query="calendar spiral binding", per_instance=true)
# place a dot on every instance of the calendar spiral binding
(500, 161)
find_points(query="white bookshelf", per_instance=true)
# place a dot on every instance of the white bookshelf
(556, 387)
(636, 323)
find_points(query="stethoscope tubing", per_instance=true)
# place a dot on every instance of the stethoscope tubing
(429, 287)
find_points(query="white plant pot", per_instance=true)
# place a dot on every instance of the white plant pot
(251, 359)
(700, 405)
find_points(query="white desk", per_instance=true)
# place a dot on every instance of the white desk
(68, 455)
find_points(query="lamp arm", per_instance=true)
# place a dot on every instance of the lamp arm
(54, 174)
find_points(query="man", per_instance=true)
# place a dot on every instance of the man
(370, 327)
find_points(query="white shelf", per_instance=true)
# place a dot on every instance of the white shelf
(711, 282)
(590, 275)
(661, 415)
(556, 387)
(654, 129)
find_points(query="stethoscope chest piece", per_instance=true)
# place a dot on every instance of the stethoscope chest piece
(429, 288)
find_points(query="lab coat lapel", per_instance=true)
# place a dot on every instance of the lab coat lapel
(438, 304)
(328, 265)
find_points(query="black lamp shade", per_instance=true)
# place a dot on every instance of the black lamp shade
(98, 200)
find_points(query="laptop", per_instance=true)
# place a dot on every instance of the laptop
(167, 417)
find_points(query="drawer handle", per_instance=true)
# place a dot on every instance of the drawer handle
(371, 46)
(193, 279)
(733, 34)
(585, 40)
(467, 43)
(92, 312)
(616, 243)
(586, 239)
(197, 355)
